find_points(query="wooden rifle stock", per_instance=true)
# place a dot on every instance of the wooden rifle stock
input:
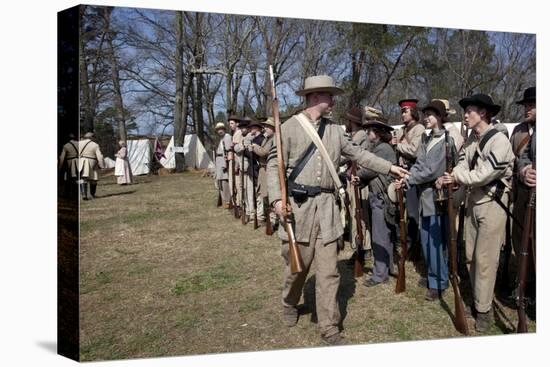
(460, 322)
(267, 211)
(295, 259)
(243, 192)
(526, 238)
(359, 240)
(400, 284)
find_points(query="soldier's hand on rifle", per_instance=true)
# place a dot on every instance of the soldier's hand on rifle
(398, 172)
(399, 183)
(529, 176)
(447, 179)
(439, 183)
(355, 180)
(393, 140)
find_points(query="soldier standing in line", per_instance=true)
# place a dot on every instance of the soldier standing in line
(358, 137)
(485, 168)
(522, 134)
(261, 151)
(254, 137)
(449, 125)
(407, 142)
(313, 203)
(222, 173)
(242, 162)
(232, 120)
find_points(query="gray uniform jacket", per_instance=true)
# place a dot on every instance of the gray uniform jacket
(262, 151)
(315, 173)
(430, 164)
(529, 153)
(376, 181)
(494, 163)
(221, 154)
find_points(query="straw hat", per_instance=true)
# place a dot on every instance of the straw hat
(450, 111)
(269, 122)
(219, 125)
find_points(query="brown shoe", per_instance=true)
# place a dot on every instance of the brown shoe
(290, 316)
(334, 339)
(483, 321)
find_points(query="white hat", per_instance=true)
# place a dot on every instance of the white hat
(320, 83)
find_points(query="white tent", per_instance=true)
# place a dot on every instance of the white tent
(139, 155)
(194, 152)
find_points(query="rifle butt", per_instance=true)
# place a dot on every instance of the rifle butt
(358, 266)
(400, 284)
(461, 325)
(255, 221)
(295, 259)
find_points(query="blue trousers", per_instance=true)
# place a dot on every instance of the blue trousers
(433, 236)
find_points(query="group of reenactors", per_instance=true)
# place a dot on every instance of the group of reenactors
(487, 175)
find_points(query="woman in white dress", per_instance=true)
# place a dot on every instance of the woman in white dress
(123, 171)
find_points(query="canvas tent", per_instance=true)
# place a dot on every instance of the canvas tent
(194, 152)
(139, 155)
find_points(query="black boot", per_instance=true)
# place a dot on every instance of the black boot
(84, 191)
(93, 188)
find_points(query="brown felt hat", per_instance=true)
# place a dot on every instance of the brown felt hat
(269, 122)
(438, 107)
(354, 115)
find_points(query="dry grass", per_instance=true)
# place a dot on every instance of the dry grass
(164, 272)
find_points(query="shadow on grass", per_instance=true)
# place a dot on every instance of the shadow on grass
(116, 194)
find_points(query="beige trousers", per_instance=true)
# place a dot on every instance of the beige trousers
(484, 234)
(327, 279)
(250, 199)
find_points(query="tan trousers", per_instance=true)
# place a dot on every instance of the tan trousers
(230, 177)
(250, 199)
(484, 234)
(223, 186)
(327, 279)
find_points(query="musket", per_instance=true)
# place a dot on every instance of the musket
(400, 284)
(219, 186)
(359, 240)
(526, 243)
(460, 316)
(234, 188)
(267, 211)
(295, 259)
(254, 205)
(243, 200)
(462, 209)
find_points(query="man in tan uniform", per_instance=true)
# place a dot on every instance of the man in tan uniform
(312, 199)
(222, 172)
(68, 165)
(237, 139)
(485, 168)
(232, 121)
(261, 151)
(90, 160)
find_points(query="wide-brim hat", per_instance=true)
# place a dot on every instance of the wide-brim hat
(438, 107)
(320, 83)
(450, 111)
(243, 121)
(480, 100)
(529, 95)
(255, 123)
(354, 115)
(370, 113)
(378, 123)
(220, 125)
(269, 122)
(234, 118)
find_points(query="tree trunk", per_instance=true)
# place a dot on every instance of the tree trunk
(119, 104)
(179, 120)
(87, 122)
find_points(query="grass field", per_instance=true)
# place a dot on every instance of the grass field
(164, 272)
